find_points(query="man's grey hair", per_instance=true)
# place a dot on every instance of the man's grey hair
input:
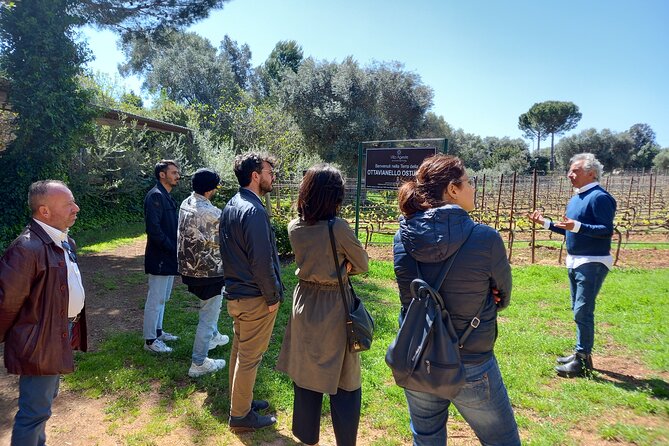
(38, 191)
(590, 163)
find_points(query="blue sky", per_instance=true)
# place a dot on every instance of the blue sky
(487, 61)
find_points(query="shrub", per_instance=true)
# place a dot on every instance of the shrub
(280, 226)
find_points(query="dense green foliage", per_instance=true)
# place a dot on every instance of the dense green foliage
(338, 105)
(635, 148)
(661, 160)
(115, 170)
(286, 56)
(185, 66)
(644, 146)
(281, 232)
(53, 115)
(108, 170)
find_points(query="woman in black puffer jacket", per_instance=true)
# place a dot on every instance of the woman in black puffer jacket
(434, 225)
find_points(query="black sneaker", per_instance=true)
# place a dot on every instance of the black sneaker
(252, 421)
(259, 405)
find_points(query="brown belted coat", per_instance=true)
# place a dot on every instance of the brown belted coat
(314, 352)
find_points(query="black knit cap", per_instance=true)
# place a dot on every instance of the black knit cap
(205, 180)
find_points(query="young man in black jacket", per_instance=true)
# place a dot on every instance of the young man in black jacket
(160, 257)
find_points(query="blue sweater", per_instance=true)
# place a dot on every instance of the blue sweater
(595, 209)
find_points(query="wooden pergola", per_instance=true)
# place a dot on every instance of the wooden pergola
(116, 118)
(109, 116)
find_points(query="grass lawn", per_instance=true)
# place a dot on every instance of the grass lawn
(95, 241)
(632, 327)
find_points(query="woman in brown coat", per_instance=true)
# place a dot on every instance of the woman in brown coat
(314, 352)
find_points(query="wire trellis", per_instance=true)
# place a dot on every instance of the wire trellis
(503, 201)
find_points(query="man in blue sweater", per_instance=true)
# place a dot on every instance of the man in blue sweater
(588, 227)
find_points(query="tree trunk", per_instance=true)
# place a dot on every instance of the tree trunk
(538, 142)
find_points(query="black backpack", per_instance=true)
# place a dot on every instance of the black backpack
(425, 355)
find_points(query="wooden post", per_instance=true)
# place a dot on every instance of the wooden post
(650, 193)
(513, 198)
(475, 184)
(534, 206)
(483, 199)
(499, 199)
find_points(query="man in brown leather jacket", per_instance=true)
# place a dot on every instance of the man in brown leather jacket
(41, 307)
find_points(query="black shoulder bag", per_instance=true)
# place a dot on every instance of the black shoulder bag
(359, 323)
(425, 355)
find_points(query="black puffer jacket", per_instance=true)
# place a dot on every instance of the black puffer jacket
(431, 237)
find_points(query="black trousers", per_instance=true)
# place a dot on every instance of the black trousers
(344, 409)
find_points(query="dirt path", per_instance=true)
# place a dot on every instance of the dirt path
(115, 305)
(112, 306)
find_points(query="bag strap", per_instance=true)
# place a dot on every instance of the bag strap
(447, 266)
(337, 267)
(474, 323)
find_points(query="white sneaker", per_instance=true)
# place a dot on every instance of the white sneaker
(158, 346)
(217, 340)
(208, 366)
(167, 337)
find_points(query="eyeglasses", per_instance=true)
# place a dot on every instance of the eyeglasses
(68, 249)
(271, 172)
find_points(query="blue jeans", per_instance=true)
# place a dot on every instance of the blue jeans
(160, 288)
(482, 402)
(207, 327)
(584, 283)
(36, 394)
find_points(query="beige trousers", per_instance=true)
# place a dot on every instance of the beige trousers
(252, 326)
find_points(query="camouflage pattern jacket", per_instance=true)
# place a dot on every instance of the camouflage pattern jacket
(198, 246)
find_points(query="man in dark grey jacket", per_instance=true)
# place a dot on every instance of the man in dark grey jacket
(253, 287)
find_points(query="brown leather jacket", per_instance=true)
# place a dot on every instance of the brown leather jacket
(33, 306)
